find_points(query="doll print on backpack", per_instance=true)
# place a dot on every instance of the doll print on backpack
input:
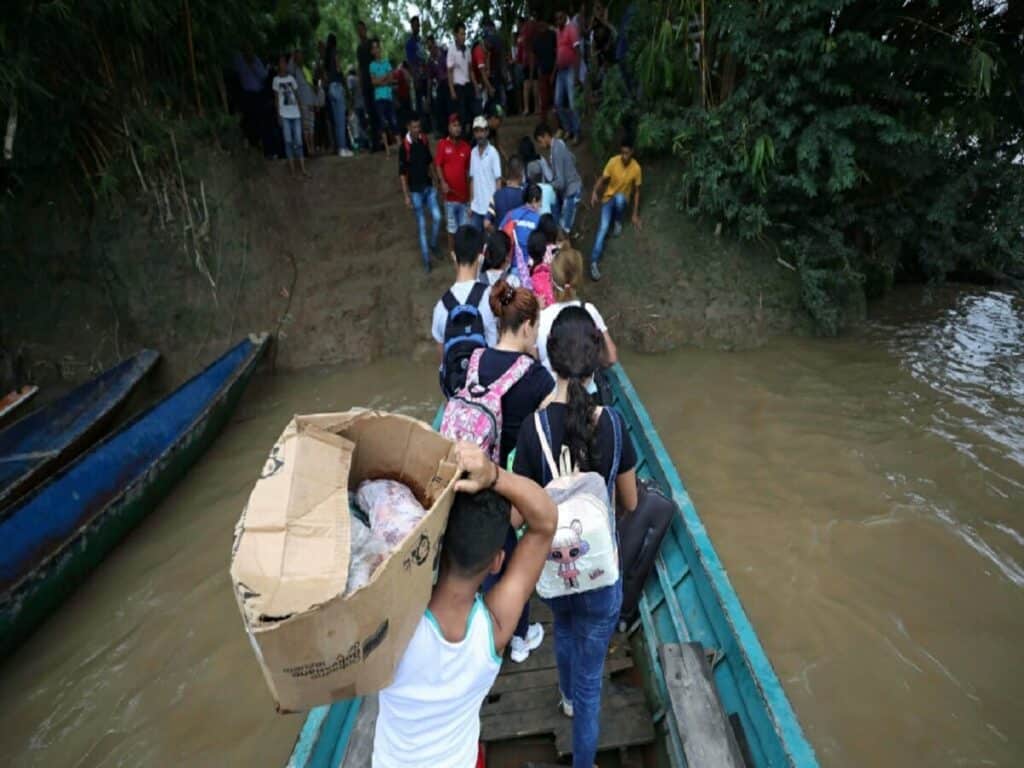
(567, 547)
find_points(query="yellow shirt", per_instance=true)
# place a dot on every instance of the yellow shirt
(621, 178)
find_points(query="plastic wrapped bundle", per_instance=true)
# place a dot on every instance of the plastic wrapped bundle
(367, 552)
(392, 508)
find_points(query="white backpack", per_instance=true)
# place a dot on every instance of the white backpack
(584, 551)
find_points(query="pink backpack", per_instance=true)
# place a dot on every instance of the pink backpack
(474, 412)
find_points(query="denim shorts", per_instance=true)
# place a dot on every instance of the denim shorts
(456, 214)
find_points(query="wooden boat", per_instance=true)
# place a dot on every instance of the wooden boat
(51, 539)
(37, 445)
(711, 693)
(14, 399)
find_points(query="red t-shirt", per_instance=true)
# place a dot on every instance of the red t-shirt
(524, 43)
(452, 159)
(479, 58)
(568, 56)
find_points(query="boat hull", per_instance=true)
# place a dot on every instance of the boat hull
(103, 522)
(41, 442)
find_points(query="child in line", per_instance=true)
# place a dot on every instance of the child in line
(497, 262)
(540, 271)
(288, 114)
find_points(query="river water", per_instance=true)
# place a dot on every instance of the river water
(866, 495)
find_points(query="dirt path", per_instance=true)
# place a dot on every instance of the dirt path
(332, 262)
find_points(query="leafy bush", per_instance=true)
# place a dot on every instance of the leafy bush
(871, 141)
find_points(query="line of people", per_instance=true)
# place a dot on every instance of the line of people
(519, 374)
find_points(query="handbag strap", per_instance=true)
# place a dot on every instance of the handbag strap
(617, 455)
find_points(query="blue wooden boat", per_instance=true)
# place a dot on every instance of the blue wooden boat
(39, 443)
(51, 539)
(688, 598)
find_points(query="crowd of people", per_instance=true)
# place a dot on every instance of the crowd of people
(455, 91)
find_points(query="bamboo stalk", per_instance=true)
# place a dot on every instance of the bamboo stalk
(192, 58)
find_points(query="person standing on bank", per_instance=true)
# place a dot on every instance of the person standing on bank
(461, 89)
(418, 173)
(416, 56)
(288, 114)
(336, 96)
(584, 622)
(453, 154)
(620, 180)
(383, 78)
(567, 63)
(364, 58)
(484, 174)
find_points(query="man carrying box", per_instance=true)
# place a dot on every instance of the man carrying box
(430, 714)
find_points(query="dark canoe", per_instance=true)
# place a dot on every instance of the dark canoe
(15, 399)
(688, 598)
(37, 445)
(53, 538)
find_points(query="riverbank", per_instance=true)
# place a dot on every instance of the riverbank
(331, 265)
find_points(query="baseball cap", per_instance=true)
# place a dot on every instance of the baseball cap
(494, 110)
(453, 118)
(479, 122)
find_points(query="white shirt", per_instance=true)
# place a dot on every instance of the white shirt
(287, 91)
(547, 319)
(458, 63)
(461, 292)
(430, 715)
(484, 170)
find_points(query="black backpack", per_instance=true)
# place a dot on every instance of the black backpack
(640, 535)
(463, 333)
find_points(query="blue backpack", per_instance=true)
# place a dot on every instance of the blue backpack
(463, 334)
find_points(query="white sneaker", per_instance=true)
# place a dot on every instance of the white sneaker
(565, 705)
(344, 153)
(595, 273)
(617, 229)
(520, 649)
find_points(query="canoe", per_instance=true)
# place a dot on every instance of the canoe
(38, 444)
(51, 539)
(687, 599)
(14, 399)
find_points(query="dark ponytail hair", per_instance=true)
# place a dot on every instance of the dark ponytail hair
(513, 306)
(574, 349)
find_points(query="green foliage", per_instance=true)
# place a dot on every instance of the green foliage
(871, 141)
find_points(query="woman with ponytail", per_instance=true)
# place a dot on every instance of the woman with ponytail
(566, 276)
(584, 622)
(517, 312)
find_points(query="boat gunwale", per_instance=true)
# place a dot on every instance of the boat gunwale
(259, 344)
(26, 485)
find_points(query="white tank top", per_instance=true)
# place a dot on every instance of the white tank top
(430, 715)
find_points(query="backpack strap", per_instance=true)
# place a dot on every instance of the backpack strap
(449, 300)
(512, 375)
(473, 370)
(540, 420)
(616, 454)
(476, 293)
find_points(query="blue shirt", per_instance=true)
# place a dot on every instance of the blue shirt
(505, 199)
(379, 68)
(525, 220)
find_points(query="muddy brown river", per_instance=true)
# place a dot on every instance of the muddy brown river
(866, 495)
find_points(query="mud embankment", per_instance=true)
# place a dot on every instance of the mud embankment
(331, 264)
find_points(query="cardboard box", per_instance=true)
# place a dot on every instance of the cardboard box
(289, 563)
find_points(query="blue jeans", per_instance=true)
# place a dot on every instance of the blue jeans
(291, 127)
(611, 213)
(568, 213)
(493, 578)
(426, 198)
(336, 95)
(584, 625)
(456, 214)
(565, 100)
